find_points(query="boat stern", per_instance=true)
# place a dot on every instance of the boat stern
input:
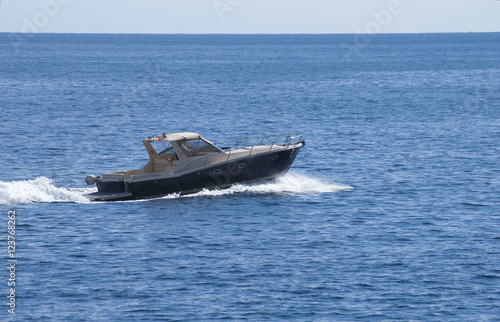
(110, 187)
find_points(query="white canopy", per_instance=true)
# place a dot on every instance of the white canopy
(177, 137)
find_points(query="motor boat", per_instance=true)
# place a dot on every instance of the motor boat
(183, 163)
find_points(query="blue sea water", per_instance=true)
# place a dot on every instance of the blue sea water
(391, 211)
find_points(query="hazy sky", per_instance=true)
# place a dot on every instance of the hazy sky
(249, 16)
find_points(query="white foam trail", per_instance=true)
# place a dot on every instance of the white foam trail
(43, 189)
(291, 183)
(40, 189)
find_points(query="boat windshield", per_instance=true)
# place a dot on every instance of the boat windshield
(198, 147)
(164, 147)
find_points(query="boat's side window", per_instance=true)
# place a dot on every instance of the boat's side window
(198, 147)
(201, 147)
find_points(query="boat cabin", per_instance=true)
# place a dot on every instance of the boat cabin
(168, 150)
(169, 153)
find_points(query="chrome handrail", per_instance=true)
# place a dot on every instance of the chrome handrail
(287, 139)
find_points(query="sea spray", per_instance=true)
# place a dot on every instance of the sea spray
(41, 189)
(292, 183)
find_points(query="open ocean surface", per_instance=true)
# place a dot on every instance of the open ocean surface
(390, 212)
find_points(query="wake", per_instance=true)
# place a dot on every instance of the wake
(290, 184)
(43, 190)
(40, 189)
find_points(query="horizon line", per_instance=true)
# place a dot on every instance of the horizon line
(243, 34)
